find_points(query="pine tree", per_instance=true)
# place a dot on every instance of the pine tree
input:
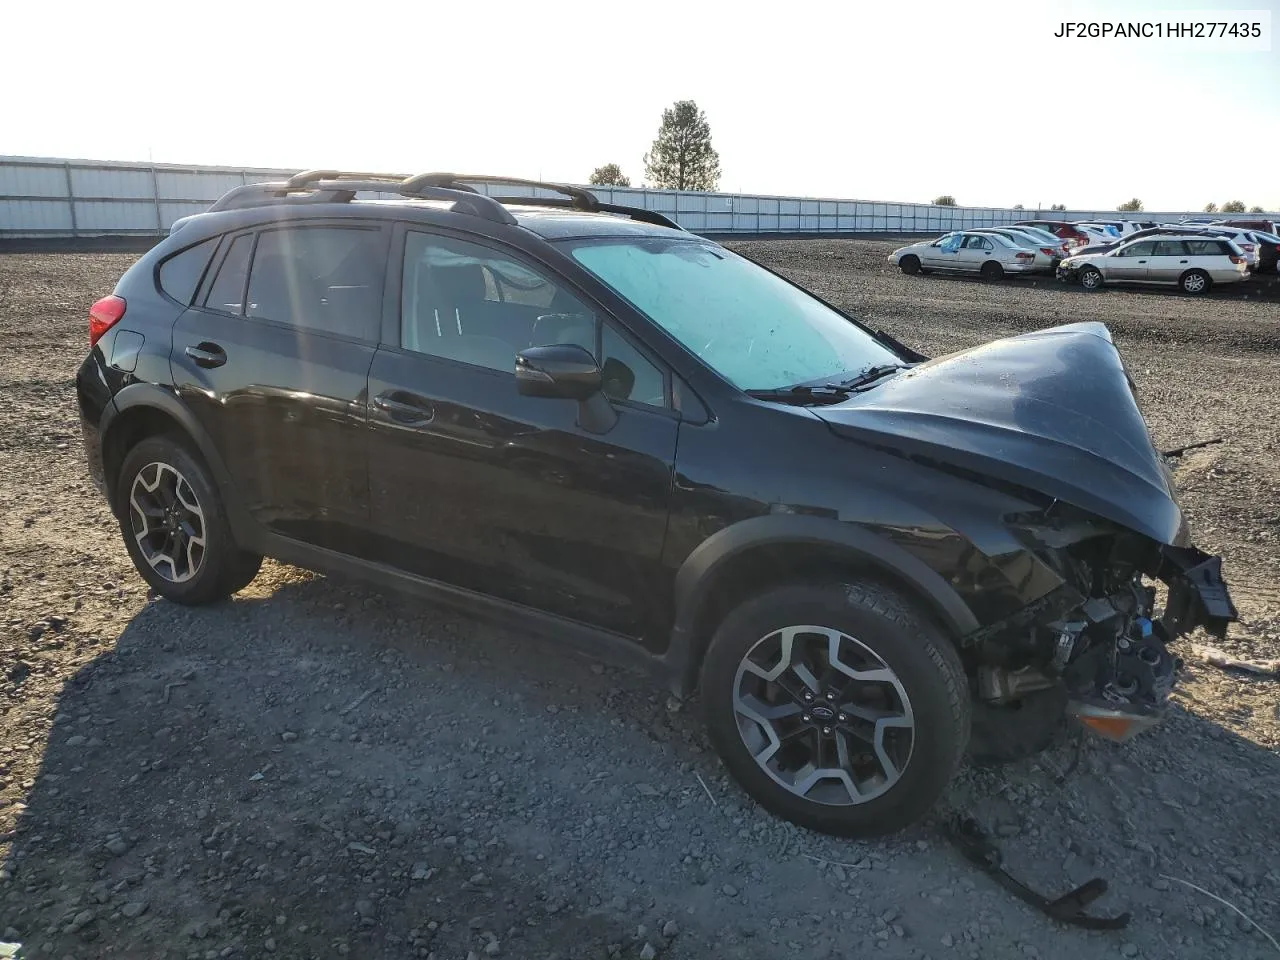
(682, 157)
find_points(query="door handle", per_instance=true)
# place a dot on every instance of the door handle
(1184, 261)
(410, 414)
(207, 354)
(1142, 261)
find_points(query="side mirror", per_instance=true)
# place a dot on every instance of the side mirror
(559, 370)
(568, 371)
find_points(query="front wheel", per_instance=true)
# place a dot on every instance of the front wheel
(992, 271)
(836, 707)
(1194, 282)
(174, 525)
(910, 264)
(1091, 278)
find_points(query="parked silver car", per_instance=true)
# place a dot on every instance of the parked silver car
(1047, 257)
(1192, 263)
(988, 255)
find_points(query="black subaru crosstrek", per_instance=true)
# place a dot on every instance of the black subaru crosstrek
(582, 419)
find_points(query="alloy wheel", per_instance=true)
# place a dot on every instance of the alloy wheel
(823, 715)
(167, 521)
(1090, 279)
(1193, 283)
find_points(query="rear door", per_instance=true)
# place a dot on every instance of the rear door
(974, 252)
(273, 358)
(1168, 261)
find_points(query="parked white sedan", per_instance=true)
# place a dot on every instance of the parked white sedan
(989, 255)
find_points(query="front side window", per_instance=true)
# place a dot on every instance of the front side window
(326, 279)
(1143, 249)
(471, 303)
(752, 327)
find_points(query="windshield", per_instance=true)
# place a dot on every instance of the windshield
(753, 328)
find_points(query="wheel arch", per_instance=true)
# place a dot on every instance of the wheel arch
(766, 551)
(143, 410)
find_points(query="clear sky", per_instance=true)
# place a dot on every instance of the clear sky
(900, 100)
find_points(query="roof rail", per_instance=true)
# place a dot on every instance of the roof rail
(578, 198)
(339, 186)
(635, 213)
(308, 177)
(335, 186)
(583, 199)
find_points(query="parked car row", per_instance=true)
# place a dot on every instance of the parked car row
(1192, 256)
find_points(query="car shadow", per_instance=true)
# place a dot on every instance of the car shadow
(320, 769)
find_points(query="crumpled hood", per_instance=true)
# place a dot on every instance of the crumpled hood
(1051, 411)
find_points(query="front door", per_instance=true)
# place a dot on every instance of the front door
(477, 486)
(273, 358)
(944, 254)
(1130, 263)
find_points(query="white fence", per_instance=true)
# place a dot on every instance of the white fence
(48, 197)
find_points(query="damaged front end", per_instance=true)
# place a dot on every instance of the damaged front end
(1095, 645)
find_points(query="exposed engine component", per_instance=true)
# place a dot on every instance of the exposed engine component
(1001, 685)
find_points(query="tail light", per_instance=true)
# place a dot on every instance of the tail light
(1047, 251)
(104, 315)
(1235, 259)
(1024, 256)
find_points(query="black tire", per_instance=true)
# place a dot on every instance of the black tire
(923, 660)
(910, 264)
(992, 271)
(1195, 282)
(1005, 733)
(221, 567)
(1091, 278)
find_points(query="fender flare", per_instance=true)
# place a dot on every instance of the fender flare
(698, 572)
(137, 395)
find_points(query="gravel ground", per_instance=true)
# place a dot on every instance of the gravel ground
(316, 769)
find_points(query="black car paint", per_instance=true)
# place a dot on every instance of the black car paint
(624, 542)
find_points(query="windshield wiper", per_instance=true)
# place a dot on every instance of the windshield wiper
(871, 375)
(803, 393)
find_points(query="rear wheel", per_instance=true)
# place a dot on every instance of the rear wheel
(1194, 282)
(174, 525)
(1091, 278)
(836, 707)
(910, 264)
(992, 271)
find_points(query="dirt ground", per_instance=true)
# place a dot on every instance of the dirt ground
(315, 769)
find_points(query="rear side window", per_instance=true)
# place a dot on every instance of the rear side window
(181, 273)
(327, 279)
(1171, 248)
(227, 292)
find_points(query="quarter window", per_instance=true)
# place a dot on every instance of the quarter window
(1204, 248)
(180, 274)
(326, 279)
